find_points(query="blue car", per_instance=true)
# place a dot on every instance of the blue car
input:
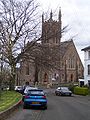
(35, 98)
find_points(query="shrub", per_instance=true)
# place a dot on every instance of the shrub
(81, 90)
(89, 91)
(71, 87)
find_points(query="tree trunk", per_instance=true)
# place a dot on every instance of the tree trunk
(12, 78)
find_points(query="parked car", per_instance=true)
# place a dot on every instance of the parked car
(19, 89)
(35, 97)
(63, 91)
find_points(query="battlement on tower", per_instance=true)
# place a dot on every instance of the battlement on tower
(51, 29)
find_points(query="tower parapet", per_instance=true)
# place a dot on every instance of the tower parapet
(51, 29)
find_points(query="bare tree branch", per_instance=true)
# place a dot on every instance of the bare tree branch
(18, 21)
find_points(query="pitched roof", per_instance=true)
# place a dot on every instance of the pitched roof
(64, 46)
(86, 48)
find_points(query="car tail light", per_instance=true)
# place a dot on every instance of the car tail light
(27, 96)
(44, 97)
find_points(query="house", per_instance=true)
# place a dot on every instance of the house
(86, 65)
(62, 65)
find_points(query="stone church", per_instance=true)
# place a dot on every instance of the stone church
(64, 55)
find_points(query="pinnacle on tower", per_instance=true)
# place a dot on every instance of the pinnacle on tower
(43, 17)
(59, 16)
(51, 15)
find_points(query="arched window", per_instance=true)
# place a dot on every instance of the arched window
(45, 77)
(88, 69)
(27, 68)
(71, 77)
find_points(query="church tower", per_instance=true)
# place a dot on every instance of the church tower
(51, 29)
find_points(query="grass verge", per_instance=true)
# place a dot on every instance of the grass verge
(8, 99)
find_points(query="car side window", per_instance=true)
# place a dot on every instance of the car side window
(58, 88)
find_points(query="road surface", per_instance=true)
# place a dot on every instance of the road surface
(59, 108)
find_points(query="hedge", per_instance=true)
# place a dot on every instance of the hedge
(81, 90)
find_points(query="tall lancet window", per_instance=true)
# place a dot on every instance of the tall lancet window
(88, 69)
(27, 68)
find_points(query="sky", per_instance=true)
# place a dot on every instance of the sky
(75, 14)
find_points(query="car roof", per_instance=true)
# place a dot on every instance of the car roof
(17, 86)
(30, 88)
(62, 87)
(35, 90)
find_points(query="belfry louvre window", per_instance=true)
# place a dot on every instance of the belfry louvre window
(88, 69)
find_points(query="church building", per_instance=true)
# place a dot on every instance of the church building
(66, 65)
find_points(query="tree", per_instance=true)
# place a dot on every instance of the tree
(18, 24)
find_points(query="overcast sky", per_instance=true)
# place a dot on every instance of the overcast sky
(76, 14)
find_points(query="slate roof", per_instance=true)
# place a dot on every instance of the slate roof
(64, 46)
(86, 48)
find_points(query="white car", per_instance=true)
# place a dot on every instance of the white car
(19, 89)
(29, 88)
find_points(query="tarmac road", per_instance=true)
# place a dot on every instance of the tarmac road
(59, 108)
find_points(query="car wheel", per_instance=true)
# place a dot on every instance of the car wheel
(45, 107)
(60, 94)
(56, 94)
(23, 99)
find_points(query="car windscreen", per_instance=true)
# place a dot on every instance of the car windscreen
(35, 92)
(19, 87)
(64, 88)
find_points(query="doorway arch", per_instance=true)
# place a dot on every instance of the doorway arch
(45, 77)
(71, 77)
